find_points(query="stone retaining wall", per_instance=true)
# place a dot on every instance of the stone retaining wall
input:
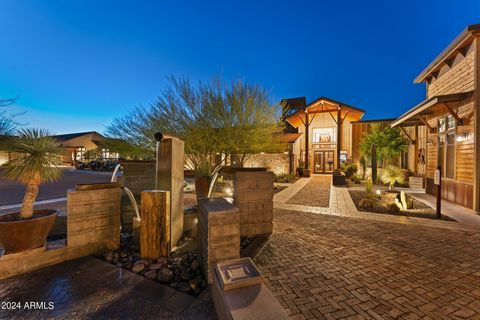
(93, 227)
(219, 233)
(253, 195)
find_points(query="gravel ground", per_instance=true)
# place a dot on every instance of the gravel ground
(419, 209)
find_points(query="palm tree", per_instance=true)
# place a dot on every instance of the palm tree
(392, 174)
(36, 160)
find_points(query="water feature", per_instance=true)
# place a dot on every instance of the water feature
(127, 191)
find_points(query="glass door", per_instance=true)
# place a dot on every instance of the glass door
(318, 165)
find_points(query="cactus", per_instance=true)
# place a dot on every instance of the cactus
(401, 201)
(403, 198)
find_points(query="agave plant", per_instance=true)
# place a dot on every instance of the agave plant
(392, 174)
(36, 159)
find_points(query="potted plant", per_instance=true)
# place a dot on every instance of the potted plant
(204, 172)
(36, 160)
(301, 166)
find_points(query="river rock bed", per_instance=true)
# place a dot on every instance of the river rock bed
(181, 270)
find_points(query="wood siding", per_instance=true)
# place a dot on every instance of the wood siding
(459, 78)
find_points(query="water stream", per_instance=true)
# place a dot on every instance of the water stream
(127, 191)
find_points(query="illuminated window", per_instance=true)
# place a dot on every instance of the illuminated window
(442, 125)
(80, 154)
(324, 135)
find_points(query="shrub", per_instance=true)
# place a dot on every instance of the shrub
(356, 179)
(392, 174)
(369, 186)
(284, 178)
(368, 202)
(350, 170)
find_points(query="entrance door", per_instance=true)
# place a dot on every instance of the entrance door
(323, 161)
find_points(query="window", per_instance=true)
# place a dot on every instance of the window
(441, 152)
(324, 135)
(450, 156)
(451, 123)
(80, 154)
(441, 125)
(446, 146)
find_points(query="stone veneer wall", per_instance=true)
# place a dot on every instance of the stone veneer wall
(219, 233)
(253, 195)
(278, 163)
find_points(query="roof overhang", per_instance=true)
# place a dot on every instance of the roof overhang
(325, 105)
(427, 107)
(462, 40)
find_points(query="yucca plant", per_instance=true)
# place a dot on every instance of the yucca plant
(392, 174)
(36, 160)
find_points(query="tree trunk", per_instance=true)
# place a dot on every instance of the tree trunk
(374, 164)
(31, 193)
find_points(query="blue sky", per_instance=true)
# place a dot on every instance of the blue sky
(78, 64)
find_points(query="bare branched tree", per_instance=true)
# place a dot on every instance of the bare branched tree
(7, 124)
(236, 119)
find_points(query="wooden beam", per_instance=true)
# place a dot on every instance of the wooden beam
(408, 136)
(307, 129)
(453, 113)
(425, 122)
(415, 151)
(339, 135)
(344, 117)
(331, 115)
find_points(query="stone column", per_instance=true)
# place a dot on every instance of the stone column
(171, 161)
(253, 195)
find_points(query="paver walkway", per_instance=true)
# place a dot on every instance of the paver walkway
(88, 288)
(330, 267)
(315, 193)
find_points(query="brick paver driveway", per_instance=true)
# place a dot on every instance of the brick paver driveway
(316, 193)
(327, 267)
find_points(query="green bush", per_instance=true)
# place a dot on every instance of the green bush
(369, 186)
(350, 170)
(284, 178)
(392, 174)
(368, 202)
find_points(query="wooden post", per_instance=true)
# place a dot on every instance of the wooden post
(476, 133)
(171, 160)
(415, 151)
(155, 224)
(307, 129)
(438, 182)
(339, 135)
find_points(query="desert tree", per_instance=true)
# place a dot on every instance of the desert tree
(211, 118)
(7, 124)
(36, 160)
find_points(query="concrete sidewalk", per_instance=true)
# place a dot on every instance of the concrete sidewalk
(461, 214)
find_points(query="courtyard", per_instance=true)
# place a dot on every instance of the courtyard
(317, 266)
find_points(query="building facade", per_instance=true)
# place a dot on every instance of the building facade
(326, 133)
(447, 120)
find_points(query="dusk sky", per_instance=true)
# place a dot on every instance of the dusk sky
(75, 65)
